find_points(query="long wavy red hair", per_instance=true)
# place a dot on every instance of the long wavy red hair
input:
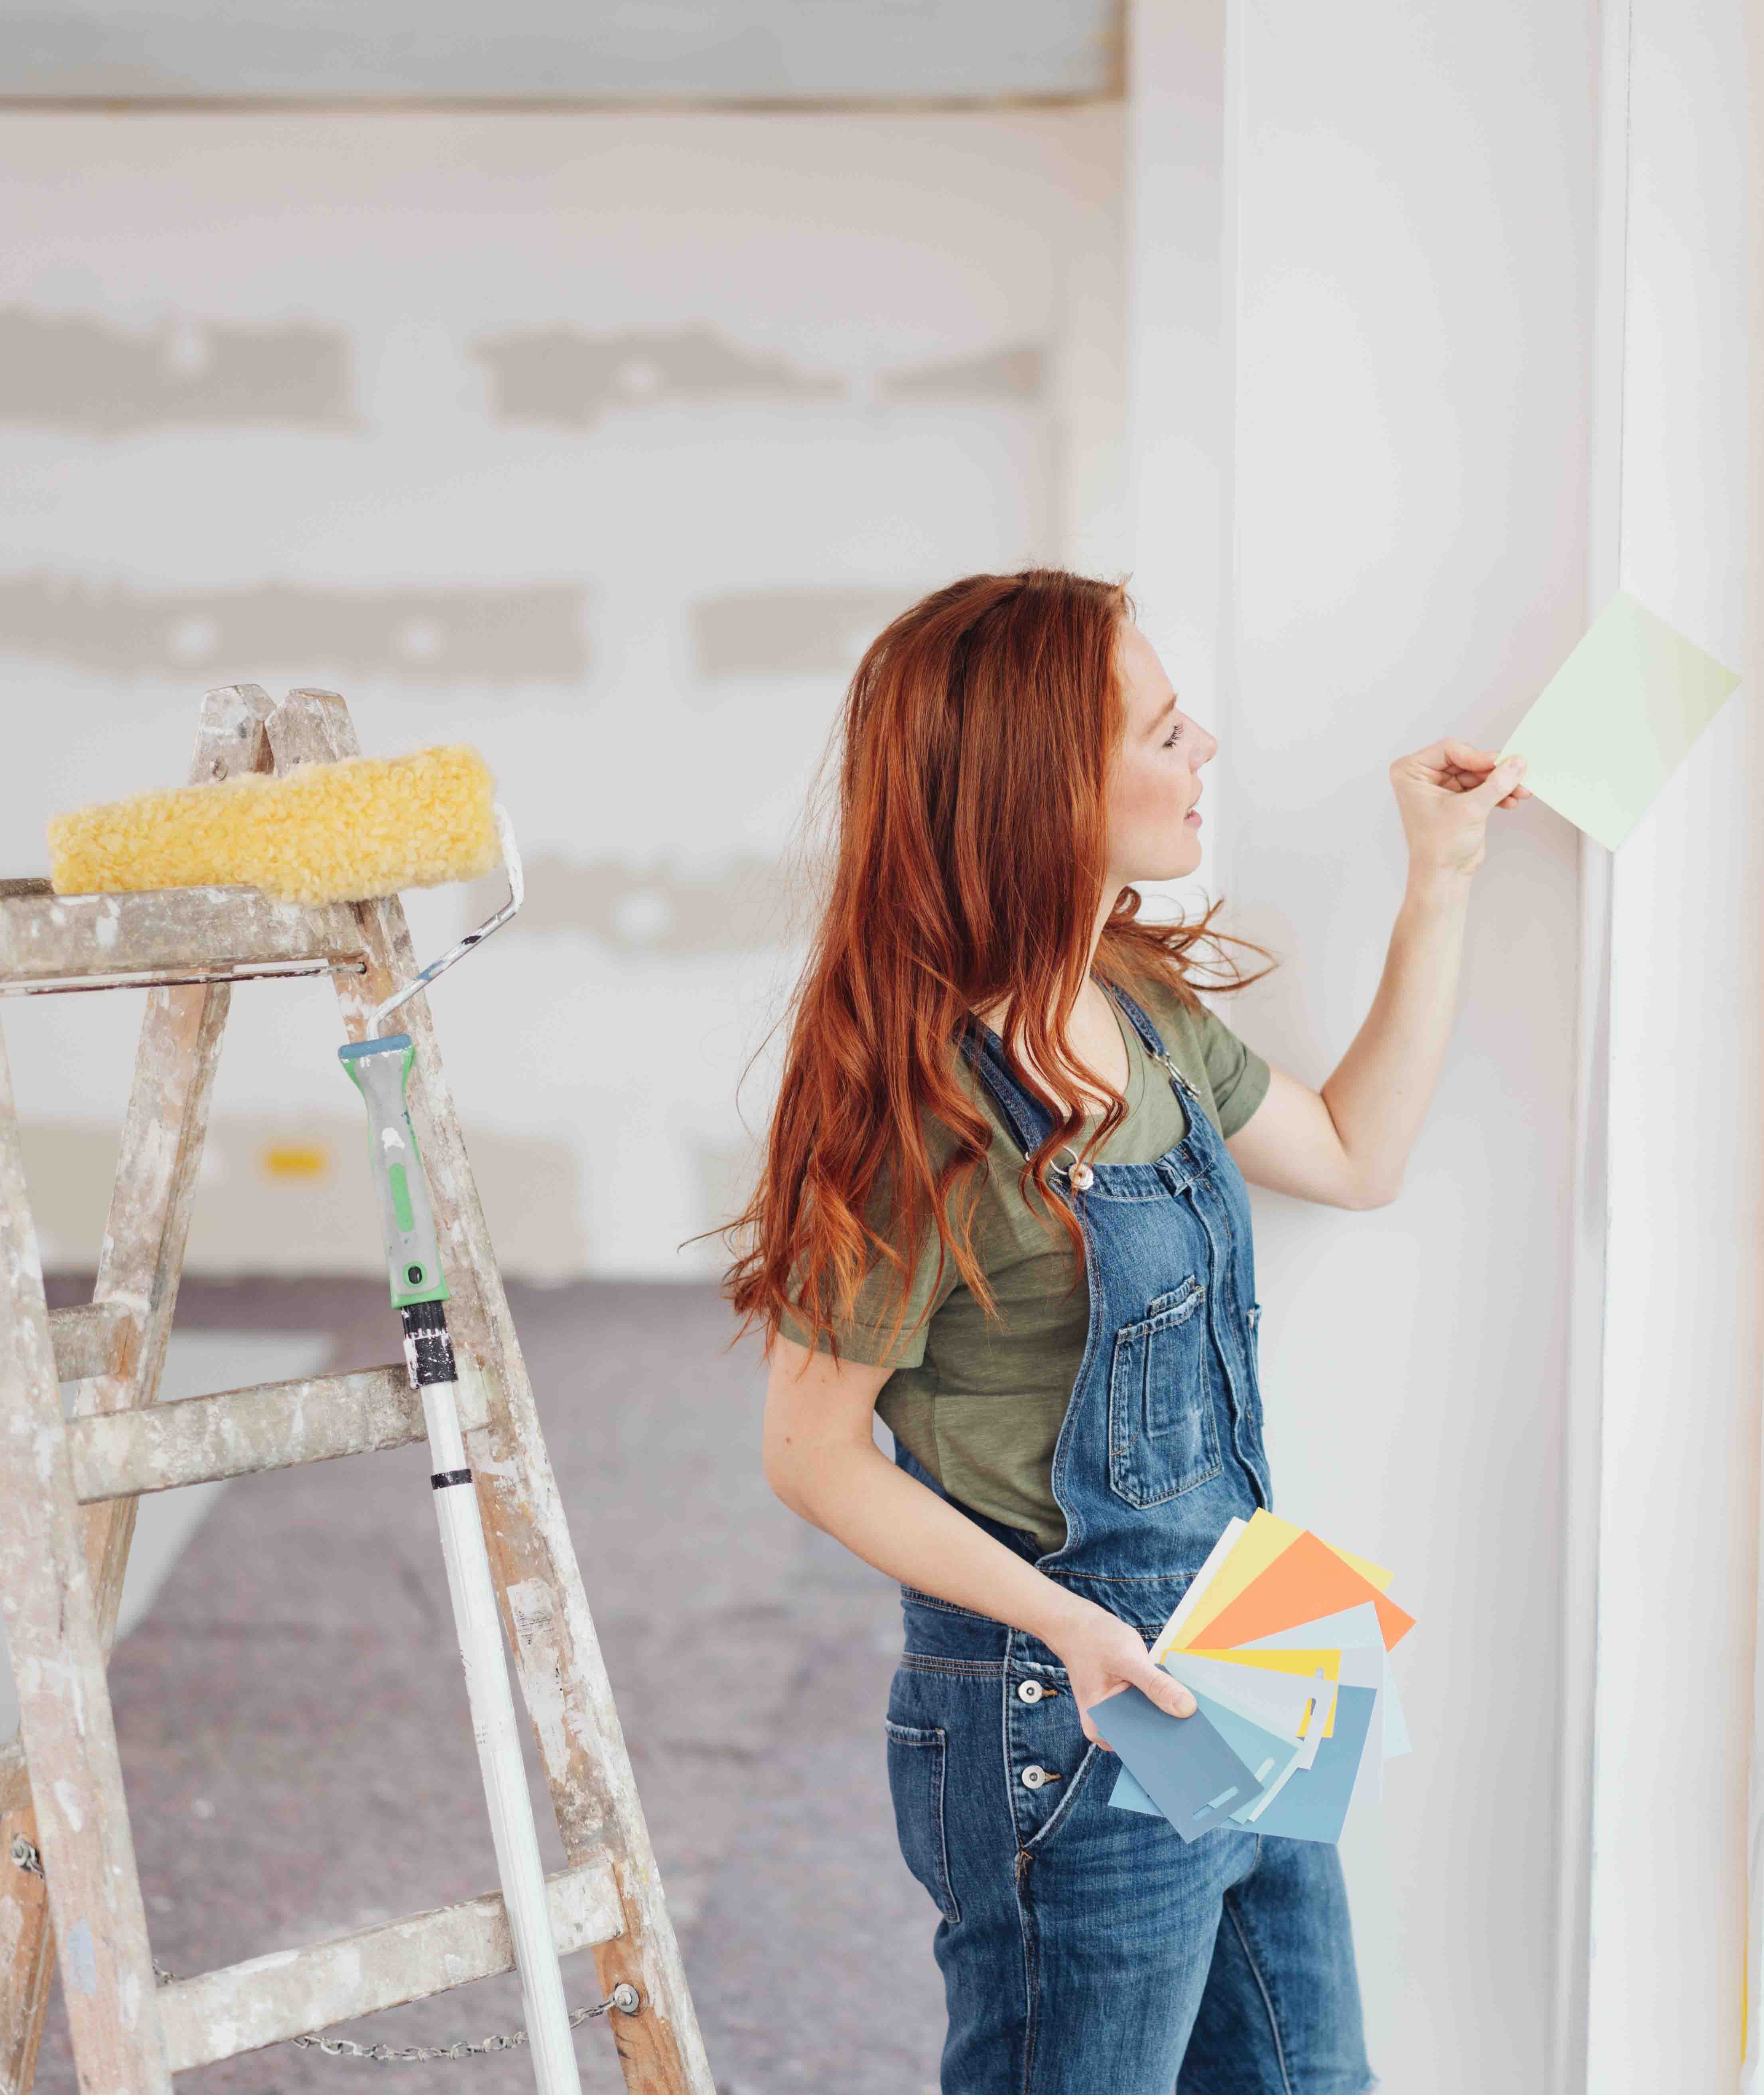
(967, 864)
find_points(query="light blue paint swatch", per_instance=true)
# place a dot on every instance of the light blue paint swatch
(1346, 1630)
(1128, 1796)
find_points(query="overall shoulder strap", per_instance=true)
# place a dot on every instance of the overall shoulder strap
(1149, 1033)
(1142, 1025)
(1027, 1117)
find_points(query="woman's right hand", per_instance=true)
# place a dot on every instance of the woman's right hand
(1101, 1653)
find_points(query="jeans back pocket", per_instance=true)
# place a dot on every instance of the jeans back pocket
(915, 1764)
(1162, 1437)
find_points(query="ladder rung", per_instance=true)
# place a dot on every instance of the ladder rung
(89, 1339)
(239, 1432)
(165, 929)
(290, 1991)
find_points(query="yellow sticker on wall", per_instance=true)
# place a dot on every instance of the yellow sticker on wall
(295, 1160)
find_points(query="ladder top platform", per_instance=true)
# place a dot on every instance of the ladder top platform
(44, 935)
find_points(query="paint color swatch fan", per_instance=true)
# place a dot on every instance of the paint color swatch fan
(1283, 1640)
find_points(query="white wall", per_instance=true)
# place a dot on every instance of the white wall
(1406, 259)
(602, 441)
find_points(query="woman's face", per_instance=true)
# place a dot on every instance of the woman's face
(1154, 828)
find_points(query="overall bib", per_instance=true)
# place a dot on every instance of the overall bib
(1085, 1949)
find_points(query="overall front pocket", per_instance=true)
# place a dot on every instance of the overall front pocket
(916, 1760)
(1162, 1438)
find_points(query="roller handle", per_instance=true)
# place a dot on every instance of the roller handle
(380, 1070)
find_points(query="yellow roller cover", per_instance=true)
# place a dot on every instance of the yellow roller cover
(343, 832)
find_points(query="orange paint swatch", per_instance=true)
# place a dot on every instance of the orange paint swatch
(1305, 1581)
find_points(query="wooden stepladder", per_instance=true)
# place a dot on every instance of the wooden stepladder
(68, 1491)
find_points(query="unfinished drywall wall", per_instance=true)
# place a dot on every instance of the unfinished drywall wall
(615, 439)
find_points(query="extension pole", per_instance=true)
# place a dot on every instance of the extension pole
(380, 1070)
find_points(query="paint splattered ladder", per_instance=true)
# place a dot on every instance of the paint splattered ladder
(68, 1490)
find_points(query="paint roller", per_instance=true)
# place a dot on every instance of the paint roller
(351, 831)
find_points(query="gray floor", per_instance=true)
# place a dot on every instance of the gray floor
(298, 1762)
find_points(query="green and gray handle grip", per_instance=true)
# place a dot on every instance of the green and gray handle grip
(381, 1071)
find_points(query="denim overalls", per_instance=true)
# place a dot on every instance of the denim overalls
(1085, 1951)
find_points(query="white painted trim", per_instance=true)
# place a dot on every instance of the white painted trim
(1673, 1443)
(1181, 377)
(1227, 671)
(1583, 1438)
(1752, 2063)
(1585, 1426)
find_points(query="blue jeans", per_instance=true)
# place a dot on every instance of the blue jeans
(1088, 1951)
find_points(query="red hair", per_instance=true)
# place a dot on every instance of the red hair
(974, 751)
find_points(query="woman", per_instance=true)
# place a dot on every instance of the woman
(1005, 1195)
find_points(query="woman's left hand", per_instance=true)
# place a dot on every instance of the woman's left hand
(1445, 794)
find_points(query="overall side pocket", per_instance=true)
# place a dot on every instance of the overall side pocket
(915, 1763)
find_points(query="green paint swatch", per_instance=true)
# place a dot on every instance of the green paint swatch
(1609, 727)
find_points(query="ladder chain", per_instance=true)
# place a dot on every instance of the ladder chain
(624, 1997)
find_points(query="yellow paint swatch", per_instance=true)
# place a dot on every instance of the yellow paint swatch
(1309, 1663)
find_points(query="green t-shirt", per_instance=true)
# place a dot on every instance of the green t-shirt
(978, 1402)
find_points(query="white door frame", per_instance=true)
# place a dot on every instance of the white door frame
(1660, 1501)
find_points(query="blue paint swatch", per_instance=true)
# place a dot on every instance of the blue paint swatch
(1313, 1805)
(1264, 1752)
(1192, 1776)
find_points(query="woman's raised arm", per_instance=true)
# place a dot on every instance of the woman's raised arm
(1347, 1143)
